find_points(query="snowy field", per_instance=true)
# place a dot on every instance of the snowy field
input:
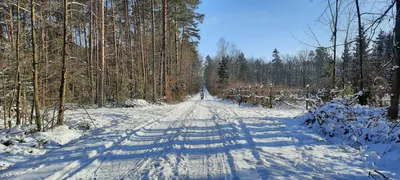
(196, 139)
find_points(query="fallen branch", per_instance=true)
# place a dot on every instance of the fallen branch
(377, 172)
(83, 107)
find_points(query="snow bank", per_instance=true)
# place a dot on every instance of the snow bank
(357, 125)
(135, 103)
(60, 135)
(363, 128)
(22, 142)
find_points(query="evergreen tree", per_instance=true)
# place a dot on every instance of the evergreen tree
(223, 75)
(346, 58)
(277, 67)
(356, 66)
(207, 72)
(322, 64)
(243, 68)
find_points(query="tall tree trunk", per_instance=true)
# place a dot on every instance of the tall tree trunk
(12, 42)
(176, 50)
(153, 51)
(4, 100)
(180, 64)
(43, 68)
(129, 48)
(60, 118)
(11, 25)
(164, 51)
(35, 65)
(100, 100)
(141, 32)
(18, 66)
(335, 42)
(115, 55)
(363, 98)
(361, 87)
(87, 48)
(136, 14)
(91, 43)
(394, 99)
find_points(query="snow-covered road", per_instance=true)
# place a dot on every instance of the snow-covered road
(196, 139)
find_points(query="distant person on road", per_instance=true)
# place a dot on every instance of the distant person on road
(239, 99)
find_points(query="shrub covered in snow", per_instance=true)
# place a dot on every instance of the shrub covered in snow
(355, 125)
(136, 103)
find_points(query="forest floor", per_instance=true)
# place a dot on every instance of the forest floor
(196, 139)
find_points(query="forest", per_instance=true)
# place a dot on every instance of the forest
(125, 89)
(59, 52)
(364, 63)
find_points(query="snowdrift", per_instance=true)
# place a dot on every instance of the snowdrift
(361, 128)
(135, 103)
(354, 125)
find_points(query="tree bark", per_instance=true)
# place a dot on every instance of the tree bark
(4, 100)
(164, 51)
(91, 39)
(60, 118)
(176, 50)
(363, 97)
(18, 66)
(11, 25)
(115, 55)
(361, 87)
(153, 51)
(335, 42)
(35, 65)
(100, 100)
(141, 32)
(129, 48)
(394, 99)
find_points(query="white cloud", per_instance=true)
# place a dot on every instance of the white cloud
(213, 19)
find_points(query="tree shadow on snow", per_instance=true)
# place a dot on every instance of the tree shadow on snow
(221, 138)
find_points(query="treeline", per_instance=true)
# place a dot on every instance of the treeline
(95, 52)
(367, 67)
(308, 67)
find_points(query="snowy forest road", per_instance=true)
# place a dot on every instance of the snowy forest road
(196, 139)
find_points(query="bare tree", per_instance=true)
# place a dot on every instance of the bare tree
(394, 99)
(35, 69)
(61, 108)
(164, 50)
(153, 51)
(18, 82)
(100, 99)
(335, 17)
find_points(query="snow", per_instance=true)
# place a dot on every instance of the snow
(196, 139)
(32, 144)
(136, 103)
(363, 128)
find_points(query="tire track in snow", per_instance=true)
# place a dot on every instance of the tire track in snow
(179, 157)
(159, 148)
(250, 143)
(200, 165)
(300, 151)
(222, 133)
(77, 166)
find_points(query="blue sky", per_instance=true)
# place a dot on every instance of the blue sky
(259, 26)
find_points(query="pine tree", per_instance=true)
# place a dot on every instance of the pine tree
(243, 68)
(223, 75)
(357, 64)
(277, 65)
(346, 58)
